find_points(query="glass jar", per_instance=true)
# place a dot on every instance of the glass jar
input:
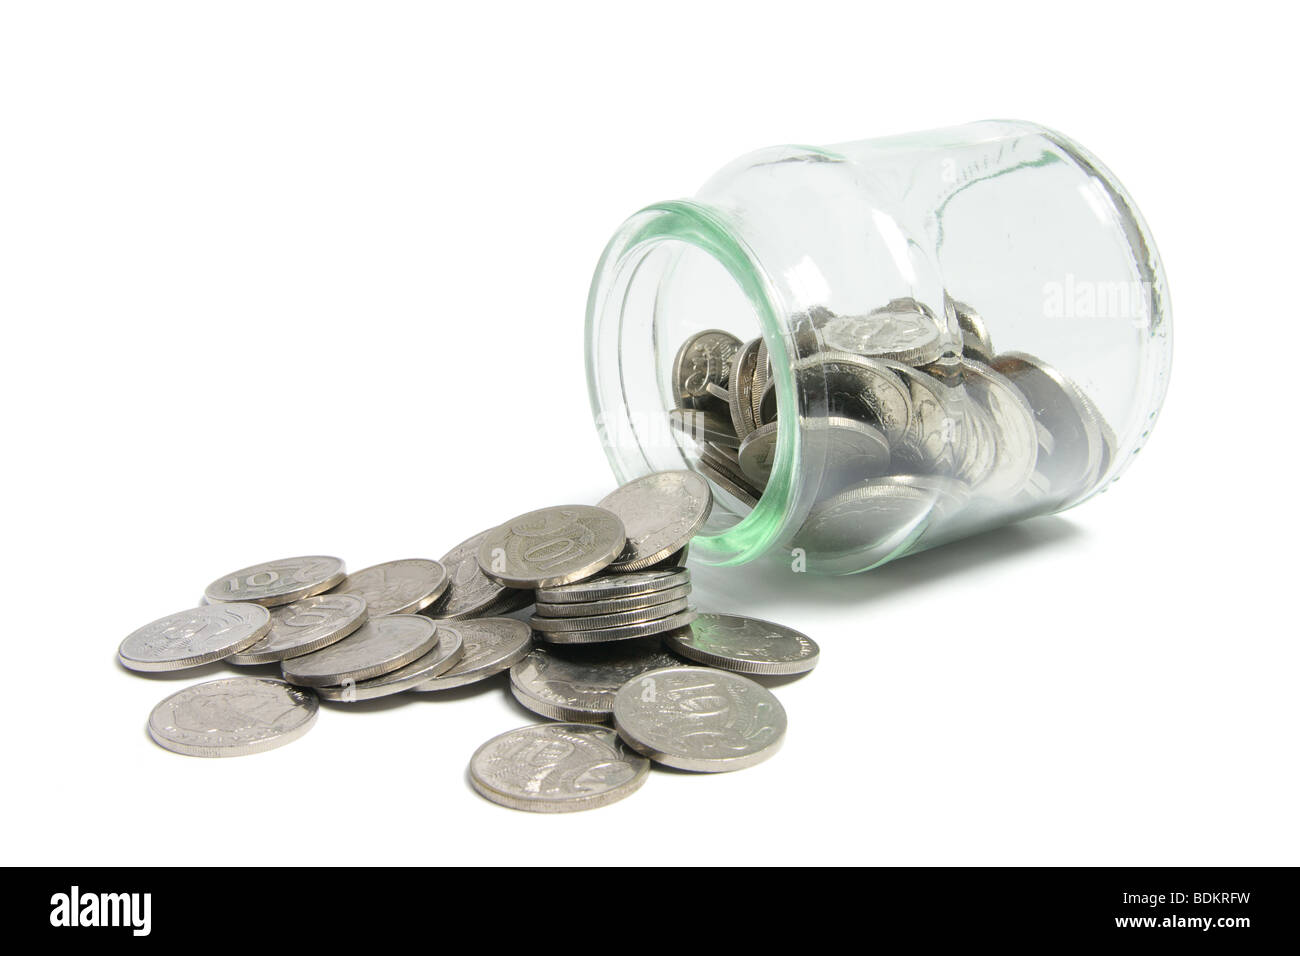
(880, 346)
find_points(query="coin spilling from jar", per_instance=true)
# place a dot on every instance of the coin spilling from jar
(624, 668)
(911, 424)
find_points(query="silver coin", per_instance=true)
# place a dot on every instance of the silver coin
(757, 453)
(846, 449)
(677, 560)
(232, 717)
(864, 525)
(976, 341)
(404, 586)
(635, 602)
(470, 592)
(277, 582)
(762, 375)
(908, 333)
(703, 360)
(857, 387)
(305, 626)
(741, 387)
(552, 546)
(1015, 434)
(933, 441)
(740, 490)
(624, 632)
(491, 645)
(448, 649)
(660, 512)
(699, 718)
(191, 638)
(979, 444)
(767, 405)
(557, 625)
(1073, 463)
(745, 645)
(608, 587)
(556, 768)
(703, 426)
(381, 645)
(579, 683)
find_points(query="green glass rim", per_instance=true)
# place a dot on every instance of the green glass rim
(702, 227)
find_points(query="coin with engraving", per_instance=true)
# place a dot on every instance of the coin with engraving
(633, 602)
(858, 387)
(1014, 429)
(381, 645)
(741, 391)
(191, 638)
(609, 586)
(305, 626)
(470, 592)
(703, 360)
(404, 586)
(232, 717)
(905, 331)
(1073, 461)
(844, 449)
(491, 645)
(623, 632)
(699, 718)
(554, 625)
(556, 768)
(446, 652)
(762, 376)
(277, 582)
(976, 341)
(660, 512)
(552, 546)
(703, 426)
(745, 645)
(934, 438)
(579, 683)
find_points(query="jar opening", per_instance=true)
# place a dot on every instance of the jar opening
(676, 269)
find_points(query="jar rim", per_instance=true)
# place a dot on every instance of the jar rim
(705, 229)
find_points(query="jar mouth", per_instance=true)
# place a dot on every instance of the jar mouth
(616, 335)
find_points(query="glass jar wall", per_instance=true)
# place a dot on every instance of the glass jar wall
(876, 347)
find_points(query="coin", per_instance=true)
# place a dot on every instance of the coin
(933, 440)
(445, 653)
(552, 546)
(1016, 438)
(739, 490)
(758, 453)
(191, 638)
(1074, 460)
(864, 524)
(741, 387)
(660, 512)
(976, 341)
(610, 586)
(556, 625)
(856, 387)
(848, 451)
(470, 592)
(381, 645)
(579, 683)
(905, 331)
(745, 645)
(762, 375)
(232, 717)
(555, 768)
(632, 603)
(623, 632)
(491, 645)
(305, 626)
(703, 426)
(676, 560)
(703, 360)
(404, 586)
(699, 718)
(277, 582)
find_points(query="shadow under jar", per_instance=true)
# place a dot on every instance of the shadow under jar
(876, 347)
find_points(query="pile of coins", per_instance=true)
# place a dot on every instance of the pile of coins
(922, 419)
(612, 640)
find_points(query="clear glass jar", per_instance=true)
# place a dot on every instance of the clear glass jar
(846, 398)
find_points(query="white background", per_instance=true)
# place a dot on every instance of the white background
(292, 278)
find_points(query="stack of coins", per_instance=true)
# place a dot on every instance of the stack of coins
(920, 411)
(614, 652)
